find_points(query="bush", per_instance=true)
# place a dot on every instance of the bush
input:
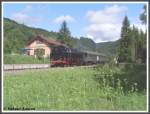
(39, 53)
(130, 78)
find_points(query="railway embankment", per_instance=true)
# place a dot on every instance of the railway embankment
(24, 66)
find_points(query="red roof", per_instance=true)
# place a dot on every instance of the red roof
(49, 41)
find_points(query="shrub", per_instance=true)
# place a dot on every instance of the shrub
(130, 78)
(39, 53)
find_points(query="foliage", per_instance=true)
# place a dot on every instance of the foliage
(39, 53)
(69, 89)
(131, 77)
(143, 15)
(17, 35)
(109, 48)
(132, 45)
(23, 59)
(124, 52)
(143, 18)
(138, 45)
(64, 34)
(87, 44)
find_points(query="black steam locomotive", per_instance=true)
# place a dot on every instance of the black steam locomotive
(65, 56)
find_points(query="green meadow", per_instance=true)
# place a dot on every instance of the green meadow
(103, 88)
(23, 59)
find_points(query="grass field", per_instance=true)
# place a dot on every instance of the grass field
(23, 59)
(71, 89)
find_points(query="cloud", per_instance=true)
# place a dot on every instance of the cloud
(25, 16)
(25, 19)
(67, 18)
(27, 9)
(105, 25)
(20, 17)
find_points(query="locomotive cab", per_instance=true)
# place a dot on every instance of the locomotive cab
(58, 56)
(64, 56)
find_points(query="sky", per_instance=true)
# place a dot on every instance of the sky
(100, 22)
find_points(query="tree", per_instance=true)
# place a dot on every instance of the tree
(124, 51)
(64, 34)
(134, 37)
(142, 46)
(143, 15)
(143, 18)
(138, 45)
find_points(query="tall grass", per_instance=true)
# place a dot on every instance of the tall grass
(23, 59)
(132, 77)
(67, 89)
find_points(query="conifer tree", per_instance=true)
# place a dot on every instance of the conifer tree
(124, 52)
(64, 34)
(143, 18)
(133, 36)
(143, 15)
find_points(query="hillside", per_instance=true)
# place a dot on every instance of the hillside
(85, 44)
(109, 48)
(17, 35)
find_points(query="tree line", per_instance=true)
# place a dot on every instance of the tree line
(132, 46)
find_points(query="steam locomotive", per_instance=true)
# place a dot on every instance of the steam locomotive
(65, 56)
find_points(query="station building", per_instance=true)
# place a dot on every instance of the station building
(43, 43)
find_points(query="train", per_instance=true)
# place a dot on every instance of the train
(65, 56)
